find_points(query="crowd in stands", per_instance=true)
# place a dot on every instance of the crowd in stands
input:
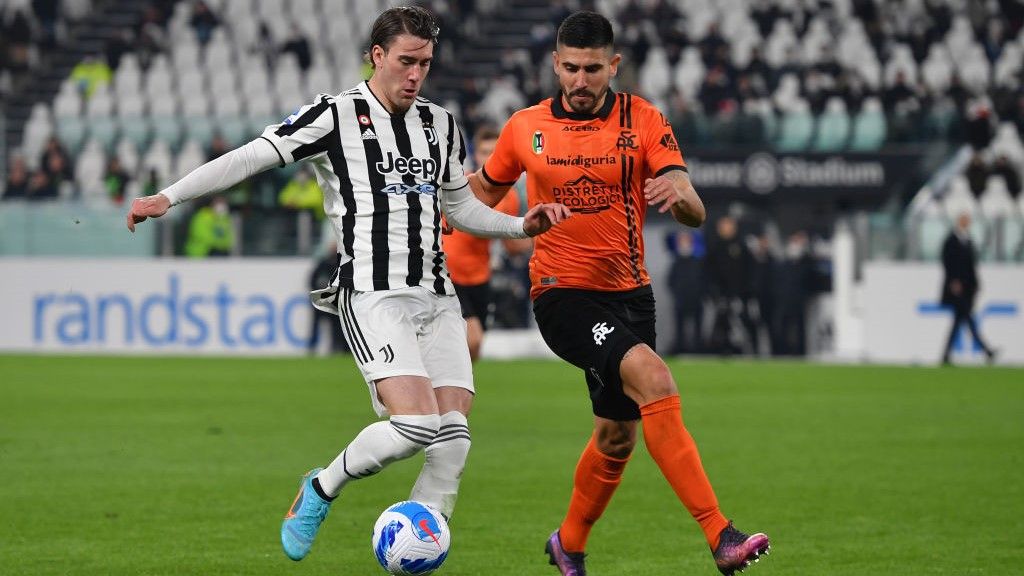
(29, 29)
(194, 78)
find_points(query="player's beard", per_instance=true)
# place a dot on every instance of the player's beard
(590, 108)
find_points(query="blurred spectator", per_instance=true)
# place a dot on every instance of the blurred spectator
(980, 127)
(117, 46)
(203, 21)
(1003, 167)
(91, 73)
(151, 38)
(793, 283)
(297, 44)
(977, 175)
(41, 187)
(763, 278)
(303, 193)
(56, 161)
(898, 93)
(265, 45)
(728, 267)
(115, 180)
(210, 232)
(48, 14)
(686, 280)
(151, 184)
(16, 31)
(323, 273)
(17, 179)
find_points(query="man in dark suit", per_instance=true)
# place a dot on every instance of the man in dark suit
(960, 285)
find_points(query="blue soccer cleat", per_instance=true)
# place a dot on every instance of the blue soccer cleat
(302, 521)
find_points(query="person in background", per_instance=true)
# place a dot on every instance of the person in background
(960, 285)
(320, 277)
(469, 257)
(686, 279)
(210, 232)
(16, 187)
(115, 180)
(303, 193)
(729, 266)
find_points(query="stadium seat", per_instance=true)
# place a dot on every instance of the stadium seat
(689, 73)
(932, 232)
(1007, 142)
(128, 154)
(159, 158)
(958, 199)
(90, 167)
(655, 75)
(996, 201)
(190, 157)
(869, 127)
(71, 131)
(833, 127)
(1013, 239)
(796, 128)
(937, 68)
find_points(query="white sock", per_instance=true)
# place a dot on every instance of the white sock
(438, 484)
(376, 446)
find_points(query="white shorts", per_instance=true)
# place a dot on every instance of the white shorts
(408, 331)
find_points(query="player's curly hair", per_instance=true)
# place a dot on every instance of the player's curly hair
(585, 29)
(399, 20)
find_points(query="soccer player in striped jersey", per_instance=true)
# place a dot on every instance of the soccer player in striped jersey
(607, 157)
(389, 163)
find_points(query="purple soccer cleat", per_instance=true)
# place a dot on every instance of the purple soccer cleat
(736, 550)
(569, 563)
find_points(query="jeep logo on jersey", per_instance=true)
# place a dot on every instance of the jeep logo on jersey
(422, 167)
(538, 142)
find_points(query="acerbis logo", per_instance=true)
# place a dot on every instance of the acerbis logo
(580, 128)
(422, 167)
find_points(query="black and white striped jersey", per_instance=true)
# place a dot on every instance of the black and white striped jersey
(381, 175)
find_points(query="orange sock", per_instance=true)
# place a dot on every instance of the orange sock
(597, 477)
(675, 452)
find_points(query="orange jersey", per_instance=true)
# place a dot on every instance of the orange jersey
(596, 165)
(469, 257)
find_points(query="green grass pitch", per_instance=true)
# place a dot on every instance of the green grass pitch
(167, 466)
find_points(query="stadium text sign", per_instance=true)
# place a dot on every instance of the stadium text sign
(797, 176)
(154, 306)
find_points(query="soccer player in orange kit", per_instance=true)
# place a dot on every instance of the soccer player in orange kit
(608, 156)
(469, 257)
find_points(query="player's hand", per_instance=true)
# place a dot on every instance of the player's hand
(662, 191)
(446, 228)
(147, 207)
(542, 217)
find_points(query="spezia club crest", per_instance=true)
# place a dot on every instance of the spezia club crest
(538, 142)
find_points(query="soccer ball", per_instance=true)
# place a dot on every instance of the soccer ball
(411, 538)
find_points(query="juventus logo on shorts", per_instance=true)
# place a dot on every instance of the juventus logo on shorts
(388, 353)
(601, 331)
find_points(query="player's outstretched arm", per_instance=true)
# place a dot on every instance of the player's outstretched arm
(674, 191)
(464, 211)
(485, 191)
(216, 175)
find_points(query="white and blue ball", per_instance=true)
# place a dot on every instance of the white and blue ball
(411, 539)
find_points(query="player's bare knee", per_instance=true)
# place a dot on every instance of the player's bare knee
(616, 440)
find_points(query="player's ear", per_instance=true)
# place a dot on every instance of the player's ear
(377, 55)
(613, 64)
(554, 60)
